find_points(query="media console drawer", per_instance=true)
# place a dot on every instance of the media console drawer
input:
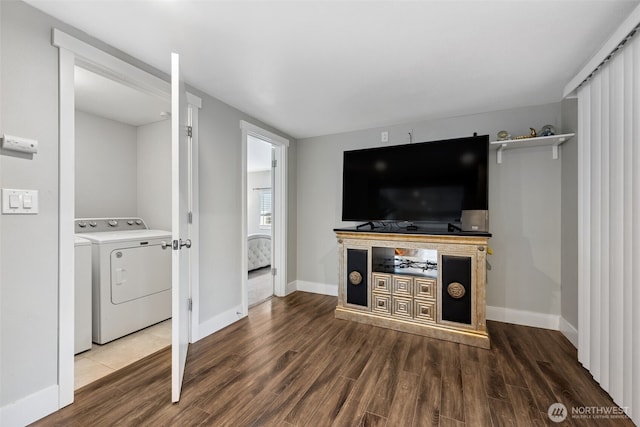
(402, 285)
(402, 307)
(406, 275)
(382, 304)
(425, 288)
(425, 311)
(381, 283)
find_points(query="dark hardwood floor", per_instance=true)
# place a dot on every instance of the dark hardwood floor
(291, 363)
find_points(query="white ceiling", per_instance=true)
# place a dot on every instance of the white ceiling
(105, 97)
(313, 68)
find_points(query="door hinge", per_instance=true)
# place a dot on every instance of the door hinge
(274, 271)
(190, 303)
(189, 131)
(190, 217)
(274, 163)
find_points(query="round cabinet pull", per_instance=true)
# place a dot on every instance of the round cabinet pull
(355, 278)
(380, 303)
(424, 310)
(481, 248)
(456, 290)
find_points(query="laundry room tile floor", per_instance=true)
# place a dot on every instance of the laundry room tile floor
(102, 360)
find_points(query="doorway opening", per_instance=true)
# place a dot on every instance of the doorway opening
(71, 53)
(260, 218)
(266, 185)
(122, 140)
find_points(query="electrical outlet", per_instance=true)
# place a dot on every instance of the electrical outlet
(384, 136)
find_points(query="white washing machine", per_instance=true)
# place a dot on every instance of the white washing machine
(82, 331)
(131, 275)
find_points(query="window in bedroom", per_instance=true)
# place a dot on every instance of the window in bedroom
(265, 208)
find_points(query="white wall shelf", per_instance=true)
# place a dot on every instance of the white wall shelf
(554, 141)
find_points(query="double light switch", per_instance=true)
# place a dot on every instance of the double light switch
(19, 201)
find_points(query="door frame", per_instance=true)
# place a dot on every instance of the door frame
(72, 52)
(279, 225)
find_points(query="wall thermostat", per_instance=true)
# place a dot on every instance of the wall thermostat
(17, 143)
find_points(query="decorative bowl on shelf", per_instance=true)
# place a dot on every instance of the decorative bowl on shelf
(547, 130)
(503, 135)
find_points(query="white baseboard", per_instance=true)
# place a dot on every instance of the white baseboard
(291, 287)
(30, 409)
(524, 317)
(218, 322)
(501, 314)
(317, 288)
(569, 331)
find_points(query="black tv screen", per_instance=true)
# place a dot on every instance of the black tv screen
(428, 181)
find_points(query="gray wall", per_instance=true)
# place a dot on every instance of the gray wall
(570, 214)
(153, 178)
(220, 204)
(106, 167)
(524, 201)
(120, 170)
(29, 244)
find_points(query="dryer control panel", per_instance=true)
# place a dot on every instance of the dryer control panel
(92, 225)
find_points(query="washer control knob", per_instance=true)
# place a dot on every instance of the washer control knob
(93, 223)
(112, 222)
(130, 222)
(82, 224)
(138, 221)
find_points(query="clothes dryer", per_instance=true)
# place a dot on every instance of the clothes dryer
(131, 275)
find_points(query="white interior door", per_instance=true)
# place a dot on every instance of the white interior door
(179, 230)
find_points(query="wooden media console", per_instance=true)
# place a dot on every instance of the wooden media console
(426, 284)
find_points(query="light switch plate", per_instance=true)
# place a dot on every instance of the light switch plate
(13, 202)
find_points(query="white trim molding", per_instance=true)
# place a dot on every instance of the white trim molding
(524, 317)
(219, 322)
(499, 314)
(280, 204)
(195, 104)
(66, 245)
(30, 409)
(101, 62)
(569, 331)
(263, 134)
(317, 288)
(291, 287)
(74, 52)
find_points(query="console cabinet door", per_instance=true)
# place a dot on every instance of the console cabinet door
(356, 277)
(462, 287)
(457, 288)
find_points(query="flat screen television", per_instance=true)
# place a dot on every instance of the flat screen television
(421, 182)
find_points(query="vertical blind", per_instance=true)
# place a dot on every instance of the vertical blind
(609, 226)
